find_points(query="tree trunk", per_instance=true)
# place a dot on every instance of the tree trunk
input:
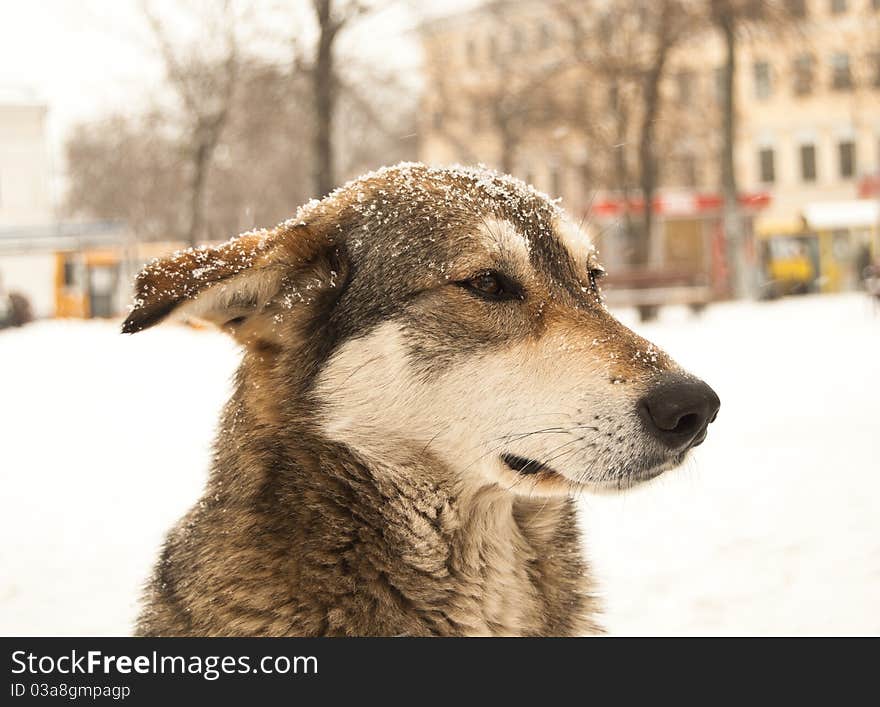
(622, 176)
(508, 151)
(648, 176)
(324, 94)
(201, 158)
(650, 117)
(740, 276)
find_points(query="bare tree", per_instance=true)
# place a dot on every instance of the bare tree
(376, 119)
(623, 49)
(332, 17)
(733, 19)
(727, 15)
(666, 25)
(261, 170)
(510, 98)
(129, 167)
(205, 87)
(126, 168)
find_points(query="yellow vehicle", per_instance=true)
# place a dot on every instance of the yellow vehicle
(821, 251)
(95, 282)
(790, 264)
(86, 283)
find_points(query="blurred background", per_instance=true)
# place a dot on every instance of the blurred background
(724, 155)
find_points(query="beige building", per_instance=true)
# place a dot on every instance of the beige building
(808, 93)
(488, 73)
(24, 160)
(809, 105)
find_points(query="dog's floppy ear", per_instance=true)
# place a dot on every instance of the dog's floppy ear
(234, 282)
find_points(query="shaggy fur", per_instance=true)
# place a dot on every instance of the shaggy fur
(362, 482)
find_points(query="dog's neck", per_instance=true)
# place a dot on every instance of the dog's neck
(431, 554)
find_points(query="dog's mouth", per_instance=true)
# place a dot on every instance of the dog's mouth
(530, 467)
(537, 477)
(640, 473)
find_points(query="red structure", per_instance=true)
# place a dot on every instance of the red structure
(687, 239)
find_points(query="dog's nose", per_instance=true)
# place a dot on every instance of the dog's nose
(678, 409)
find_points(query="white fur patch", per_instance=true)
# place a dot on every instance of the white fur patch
(502, 237)
(369, 391)
(577, 242)
(217, 303)
(549, 400)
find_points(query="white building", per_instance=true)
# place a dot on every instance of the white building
(25, 199)
(24, 160)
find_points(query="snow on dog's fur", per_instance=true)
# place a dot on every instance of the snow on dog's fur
(429, 375)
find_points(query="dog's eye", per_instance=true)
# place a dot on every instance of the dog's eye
(492, 285)
(596, 273)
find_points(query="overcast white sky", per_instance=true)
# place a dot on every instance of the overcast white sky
(88, 57)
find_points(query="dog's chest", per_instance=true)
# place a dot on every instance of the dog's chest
(508, 599)
(493, 589)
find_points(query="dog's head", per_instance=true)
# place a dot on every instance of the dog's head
(451, 312)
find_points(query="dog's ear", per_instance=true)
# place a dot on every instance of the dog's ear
(239, 283)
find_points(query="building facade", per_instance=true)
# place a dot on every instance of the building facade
(79, 268)
(808, 114)
(25, 199)
(24, 160)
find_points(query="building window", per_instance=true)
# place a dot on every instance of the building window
(546, 111)
(767, 164)
(470, 50)
(875, 68)
(437, 120)
(796, 8)
(613, 97)
(581, 103)
(606, 25)
(493, 47)
(808, 163)
(847, 155)
(73, 274)
(841, 76)
(545, 36)
(838, 7)
(762, 80)
(684, 81)
(803, 75)
(516, 40)
(689, 170)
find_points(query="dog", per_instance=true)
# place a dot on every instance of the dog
(429, 377)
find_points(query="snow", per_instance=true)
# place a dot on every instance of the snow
(773, 527)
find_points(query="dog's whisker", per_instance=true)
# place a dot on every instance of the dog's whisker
(517, 436)
(509, 438)
(546, 430)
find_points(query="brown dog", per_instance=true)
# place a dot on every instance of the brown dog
(429, 374)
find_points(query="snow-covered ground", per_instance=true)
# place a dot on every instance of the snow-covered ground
(772, 528)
